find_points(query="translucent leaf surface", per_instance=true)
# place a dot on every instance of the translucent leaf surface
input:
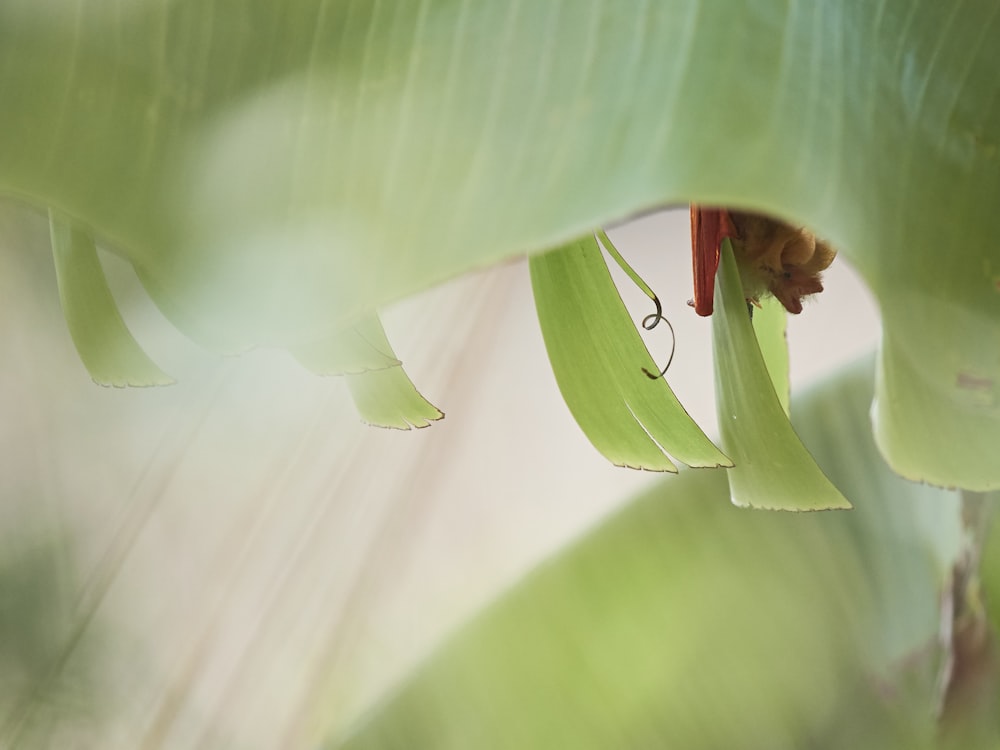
(769, 325)
(360, 348)
(599, 362)
(274, 170)
(772, 468)
(685, 622)
(109, 352)
(937, 419)
(386, 397)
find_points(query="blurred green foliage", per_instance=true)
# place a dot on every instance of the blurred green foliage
(49, 678)
(686, 622)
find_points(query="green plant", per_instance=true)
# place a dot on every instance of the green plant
(276, 173)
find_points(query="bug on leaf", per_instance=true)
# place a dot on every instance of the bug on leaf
(773, 257)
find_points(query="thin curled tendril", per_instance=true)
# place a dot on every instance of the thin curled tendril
(652, 320)
(649, 323)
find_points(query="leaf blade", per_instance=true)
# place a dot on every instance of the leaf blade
(388, 398)
(107, 349)
(360, 348)
(383, 393)
(598, 359)
(773, 470)
(770, 323)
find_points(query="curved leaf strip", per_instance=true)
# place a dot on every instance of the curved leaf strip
(773, 469)
(388, 398)
(109, 352)
(384, 395)
(937, 408)
(623, 264)
(598, 358)
(769, 325)
(936, 429)
(361, 348)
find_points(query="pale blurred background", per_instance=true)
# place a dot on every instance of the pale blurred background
(235, 560)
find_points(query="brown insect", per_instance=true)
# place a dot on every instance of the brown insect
(773, 257)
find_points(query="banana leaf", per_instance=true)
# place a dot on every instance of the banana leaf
(276, 170)
(683, 621)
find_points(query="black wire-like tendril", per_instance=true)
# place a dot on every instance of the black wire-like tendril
(649, 323)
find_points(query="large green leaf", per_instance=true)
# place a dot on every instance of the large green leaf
(685, 622)
(274, 169)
